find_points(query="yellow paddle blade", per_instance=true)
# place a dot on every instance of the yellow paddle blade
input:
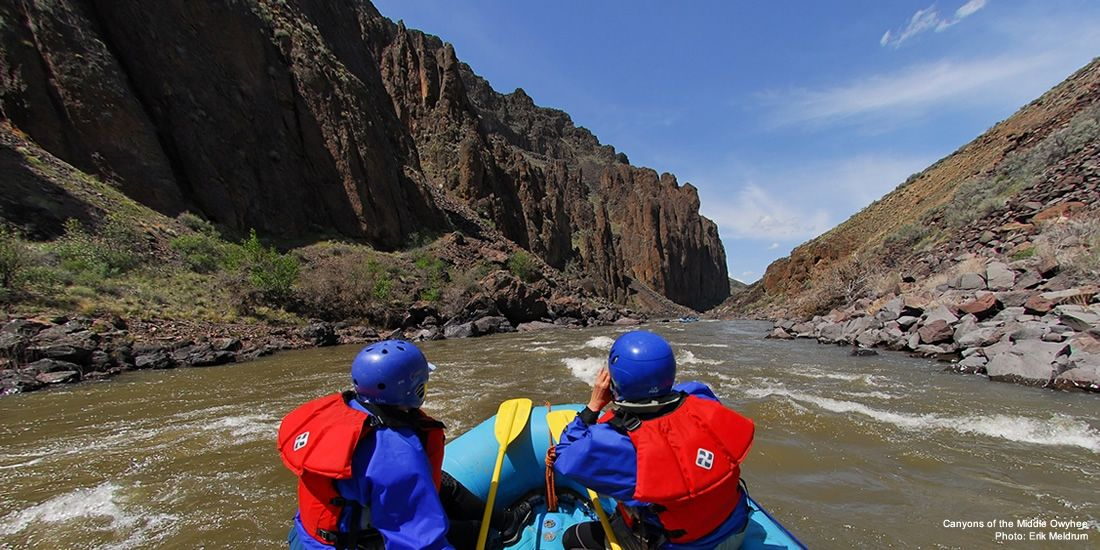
(511, 418)
(558, 420)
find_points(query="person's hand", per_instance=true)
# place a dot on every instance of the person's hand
(601, 391)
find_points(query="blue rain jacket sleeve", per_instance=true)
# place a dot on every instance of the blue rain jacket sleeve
(390, 471)
(599, 458)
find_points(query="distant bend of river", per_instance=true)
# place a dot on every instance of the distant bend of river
(849, 452)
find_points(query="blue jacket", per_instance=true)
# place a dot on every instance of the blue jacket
(604, 459)
(398, 487)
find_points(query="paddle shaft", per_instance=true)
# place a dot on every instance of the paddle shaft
(483, 533)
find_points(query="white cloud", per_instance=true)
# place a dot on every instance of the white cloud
(929, 19)
(969, 8)
(911, 90)
(784, 204)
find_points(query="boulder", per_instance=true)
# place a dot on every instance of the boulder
(50, 365)
(492, 325)
(12, 344)
(430, 333)
(831, 333)
(626, 322)
(1037, 305)
(18, 381)
(935, 332)
(1008, 314)
(417, 314)
(967, 324)
(940, 313)
(998, 276)
(1030, 362)
(970, 281)
(225, 344)
(942, 352)
(1028, 280)
(981, 337)
(915, 304)
(1030, 330)
(1047, 266)
(870, 338)
(913, 342)
(535, 326)
(206, 356)
(859, 351)
(320, 334)
(23, 327)
(858, 326)
(1072, 295)
(891, 310)
(58, 377)
(803, 330)
(461, 330)
(906, 321)
(779, 334)
(974, 364)
(1079, 319)
(155, 360)
(785, 324)
(985, 305)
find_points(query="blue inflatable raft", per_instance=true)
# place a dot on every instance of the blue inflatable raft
(470, 459)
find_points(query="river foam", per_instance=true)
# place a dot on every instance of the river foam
(600, 343)
(584, 368)
(99, 502)
(1057, 430)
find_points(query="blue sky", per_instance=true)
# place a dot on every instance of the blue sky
(788, 116)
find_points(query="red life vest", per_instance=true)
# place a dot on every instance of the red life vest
(316, 442)
(689, 465)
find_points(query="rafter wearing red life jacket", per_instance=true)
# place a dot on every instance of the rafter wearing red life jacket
(688, 464)
(317, 440)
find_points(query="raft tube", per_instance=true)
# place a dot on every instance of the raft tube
(470, 459)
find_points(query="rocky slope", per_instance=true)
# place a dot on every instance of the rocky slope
(989, 259)
(302, 119)
(866, 233)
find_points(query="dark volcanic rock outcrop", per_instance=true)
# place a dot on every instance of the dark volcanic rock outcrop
(303, 118)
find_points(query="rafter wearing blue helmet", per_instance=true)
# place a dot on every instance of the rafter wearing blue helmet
(369, 464)
(670, 453)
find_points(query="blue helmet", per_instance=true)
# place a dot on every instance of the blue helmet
(391, 372)
(642, 367)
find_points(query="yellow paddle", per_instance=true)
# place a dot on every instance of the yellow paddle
(511, 418)
(558, 420)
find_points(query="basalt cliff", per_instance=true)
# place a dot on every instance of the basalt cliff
(303, 119)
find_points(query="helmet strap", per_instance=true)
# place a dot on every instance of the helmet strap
(650, 406)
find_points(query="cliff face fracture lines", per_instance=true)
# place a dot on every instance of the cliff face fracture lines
(302, 118)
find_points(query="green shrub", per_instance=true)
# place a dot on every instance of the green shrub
(197, 224)
(907, 235)
(89, 259)
(433, 275)
(14, 261)
(271, 273)
(201, 252)
(1024, 254)
(524, 266)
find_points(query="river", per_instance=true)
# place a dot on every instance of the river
(883, 451)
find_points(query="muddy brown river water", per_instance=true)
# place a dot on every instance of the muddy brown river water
(884, 451)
